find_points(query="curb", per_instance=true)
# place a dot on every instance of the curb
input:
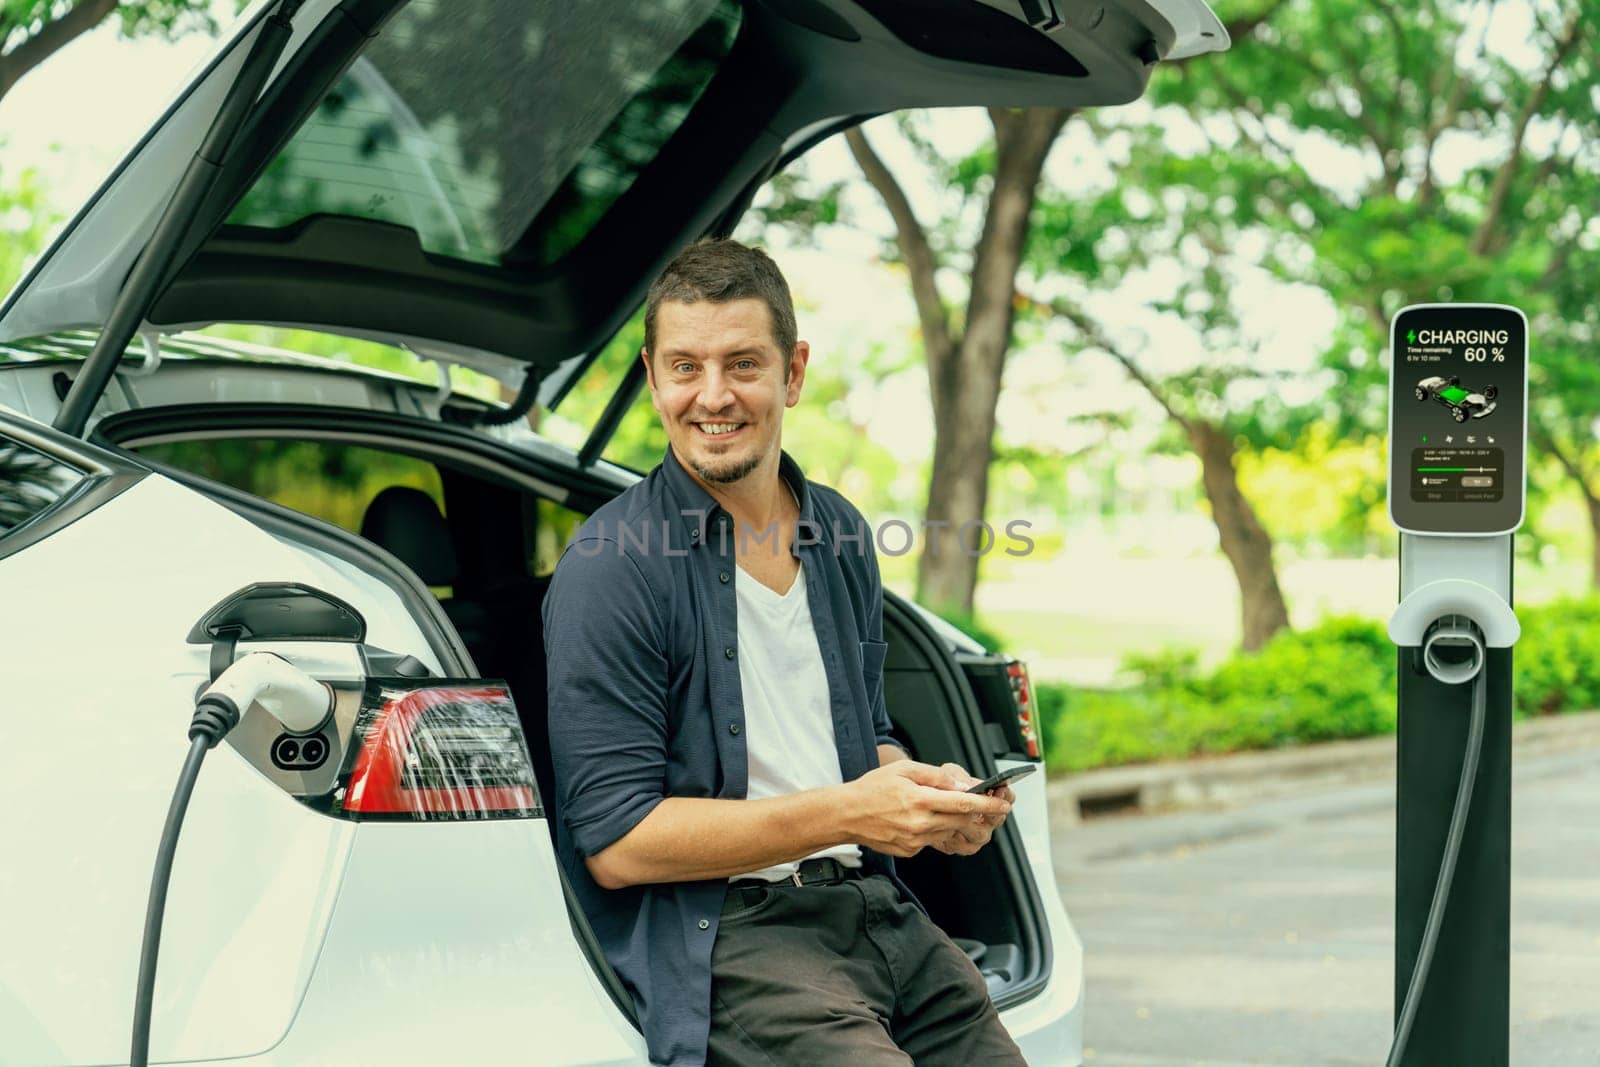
(1221, 781)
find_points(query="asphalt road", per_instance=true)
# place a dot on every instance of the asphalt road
(1263, 935)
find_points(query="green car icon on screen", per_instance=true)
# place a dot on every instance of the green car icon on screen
(1462, 402)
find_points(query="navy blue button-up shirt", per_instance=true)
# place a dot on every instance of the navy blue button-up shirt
(641, 637)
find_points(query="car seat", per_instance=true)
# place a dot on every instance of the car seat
(408, 523)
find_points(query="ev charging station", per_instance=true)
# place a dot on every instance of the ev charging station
(1458, 417)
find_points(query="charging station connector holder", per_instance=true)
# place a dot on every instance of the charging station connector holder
(1453, 612)
(1432, 601)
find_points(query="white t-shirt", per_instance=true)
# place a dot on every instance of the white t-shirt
(788, 725)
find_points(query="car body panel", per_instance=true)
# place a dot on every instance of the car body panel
(99, 658)
(451, 945)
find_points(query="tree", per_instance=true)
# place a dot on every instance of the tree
(965, 361)
(31, 31)
(1198, 404)
(966, 343)
(1477, 143)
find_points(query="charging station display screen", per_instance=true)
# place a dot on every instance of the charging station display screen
(1458, 419)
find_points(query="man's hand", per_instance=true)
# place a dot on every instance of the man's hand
(968, 839)
(905, 806)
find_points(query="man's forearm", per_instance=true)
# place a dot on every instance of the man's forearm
(890, 753)
(689, 838)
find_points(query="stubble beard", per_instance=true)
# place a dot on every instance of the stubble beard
(729, 472)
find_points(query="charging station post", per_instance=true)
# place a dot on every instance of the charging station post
(1457, 446)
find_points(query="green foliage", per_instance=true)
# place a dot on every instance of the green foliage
(1333, 138)
(361, 353)
(26, 220)
(1557, 659)
(1327, 493)
(639, 442)
(166, 18)
(334, 482)
(790, 200)
(1337, 680)
(1166, 668)
(1334, 681)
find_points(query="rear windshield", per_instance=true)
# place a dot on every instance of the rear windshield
(475, 122)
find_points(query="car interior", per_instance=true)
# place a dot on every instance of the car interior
(486, 550)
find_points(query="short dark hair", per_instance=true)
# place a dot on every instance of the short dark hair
(720, 270)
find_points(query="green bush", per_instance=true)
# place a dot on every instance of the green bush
(1333, 681)
(1336, 680)
(1086, 728)
(1164, 668)
(1556, 662)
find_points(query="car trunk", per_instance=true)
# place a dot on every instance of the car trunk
(988, 902)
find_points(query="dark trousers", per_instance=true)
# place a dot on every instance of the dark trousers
(849, 974)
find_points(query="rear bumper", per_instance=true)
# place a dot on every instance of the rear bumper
(1049, 1027)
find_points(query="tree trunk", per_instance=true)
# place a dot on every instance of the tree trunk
(1246, 544)
(1593, 504)
(965, 381)
(958, 492)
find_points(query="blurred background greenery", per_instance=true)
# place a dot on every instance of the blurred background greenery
(1182, 389)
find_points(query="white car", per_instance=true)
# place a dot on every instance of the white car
(488, 184)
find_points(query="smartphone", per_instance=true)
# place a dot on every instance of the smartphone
(1003, 778)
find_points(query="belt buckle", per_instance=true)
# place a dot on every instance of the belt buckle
(794, 876)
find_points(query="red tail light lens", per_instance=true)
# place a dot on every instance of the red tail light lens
(438, 752)
(1022, 693)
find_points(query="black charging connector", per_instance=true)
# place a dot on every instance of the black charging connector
(214, 716)
(203, 735)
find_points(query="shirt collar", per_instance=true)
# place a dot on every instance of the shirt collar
(698, 510)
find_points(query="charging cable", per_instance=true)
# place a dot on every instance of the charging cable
(292, 697)
(1453, 653)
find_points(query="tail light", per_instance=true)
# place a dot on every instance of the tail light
(436, 752)
(1022, 694)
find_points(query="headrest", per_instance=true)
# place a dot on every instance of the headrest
(408, 523)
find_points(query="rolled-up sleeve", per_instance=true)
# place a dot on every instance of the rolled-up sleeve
(604, 638)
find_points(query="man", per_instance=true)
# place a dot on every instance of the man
(728, 796)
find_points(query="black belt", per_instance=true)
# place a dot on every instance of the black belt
(822, 871)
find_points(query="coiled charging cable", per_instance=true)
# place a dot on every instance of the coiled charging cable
(1453, 653)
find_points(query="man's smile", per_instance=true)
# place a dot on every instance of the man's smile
(720, 430)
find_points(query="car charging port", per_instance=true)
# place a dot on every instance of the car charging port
(295, 752)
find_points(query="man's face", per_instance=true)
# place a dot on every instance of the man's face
(717, 380)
